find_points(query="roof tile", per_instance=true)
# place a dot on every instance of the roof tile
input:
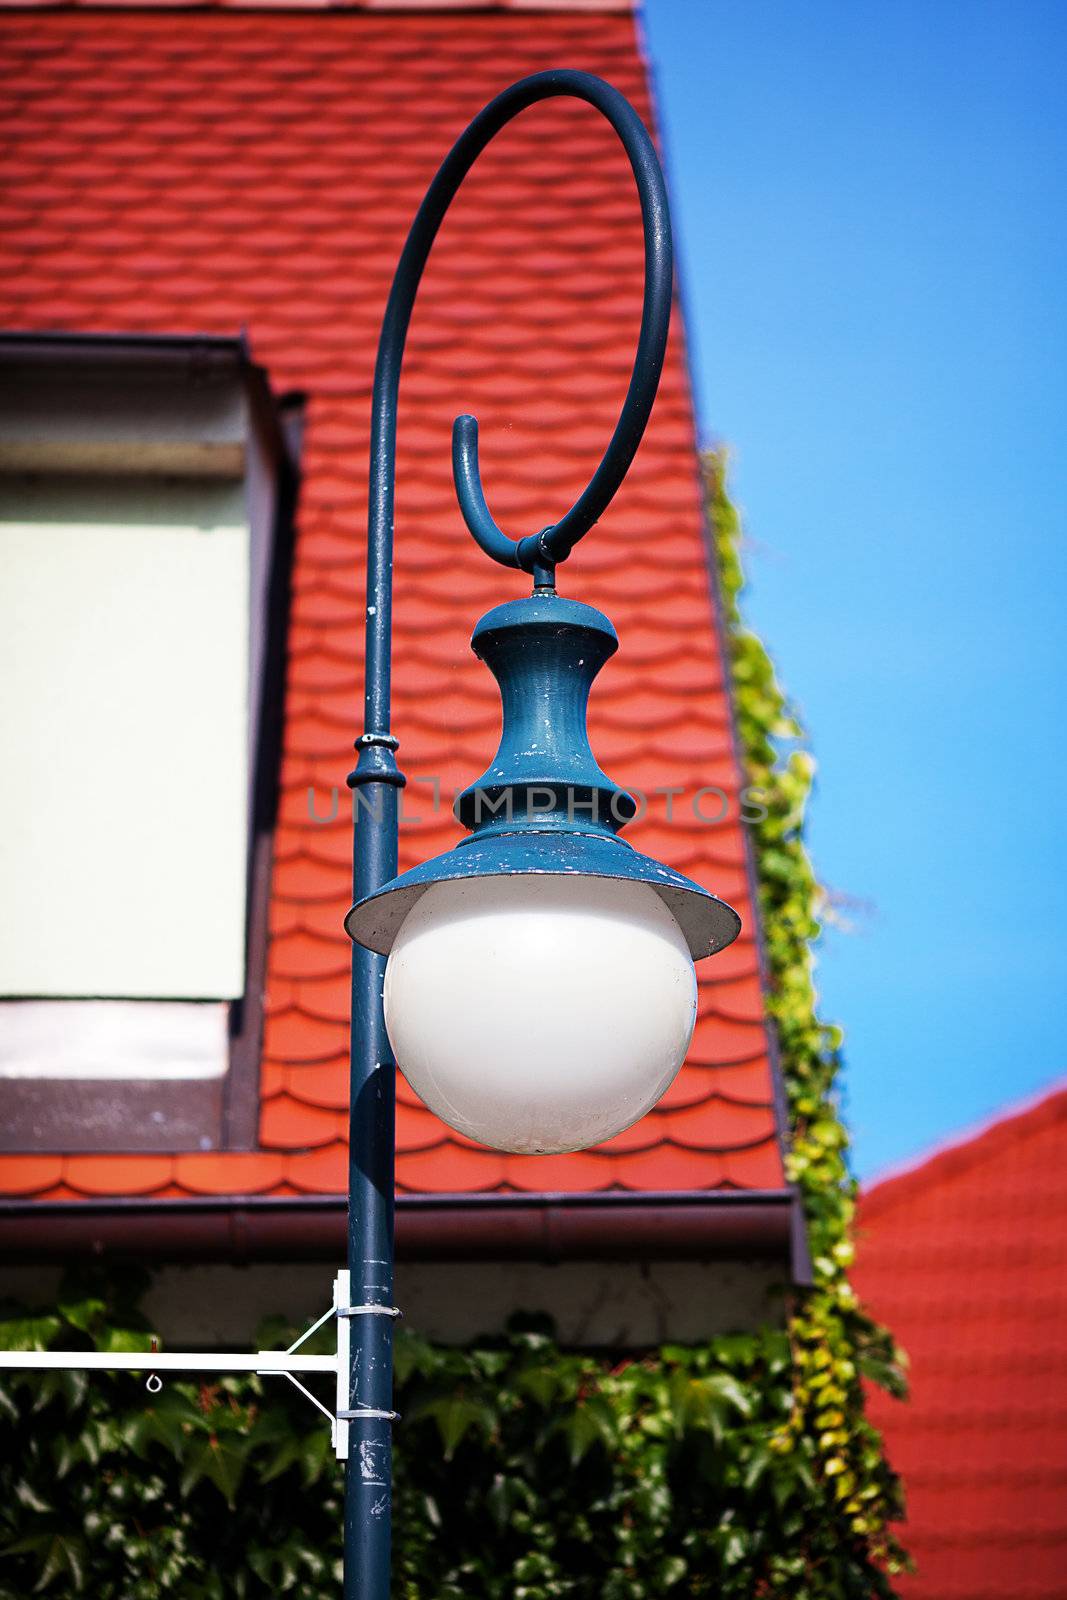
(195, 173)
(229, 1172)
(449, 1168)
(30, 1175)
(286, 1123)
(757, 1166)
(720, 1125)
(670, 1167)
(323, 1171)
(118, 1174)
(965, 1258)
(584, 1172)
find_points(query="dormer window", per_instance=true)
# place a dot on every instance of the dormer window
(144, 487)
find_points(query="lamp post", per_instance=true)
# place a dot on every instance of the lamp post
(540, 981)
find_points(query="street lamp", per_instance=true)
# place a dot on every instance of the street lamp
(540, 993)
(537, 981)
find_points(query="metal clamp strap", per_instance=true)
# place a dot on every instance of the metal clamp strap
(368, 1413)
(369, 1311)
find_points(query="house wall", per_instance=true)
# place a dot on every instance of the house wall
(613, 1303)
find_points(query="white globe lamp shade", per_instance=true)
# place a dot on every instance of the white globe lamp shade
(538, 1013)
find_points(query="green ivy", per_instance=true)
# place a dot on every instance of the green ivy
(742, 1469)
(835, 1343)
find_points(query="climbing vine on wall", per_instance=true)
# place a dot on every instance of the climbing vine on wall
(742, 1469)
(835, 1344)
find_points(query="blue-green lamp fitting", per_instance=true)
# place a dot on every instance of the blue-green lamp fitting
(543, 805)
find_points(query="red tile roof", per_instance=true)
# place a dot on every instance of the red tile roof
(203, 172)
(965, 1258)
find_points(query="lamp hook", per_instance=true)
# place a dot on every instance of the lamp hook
(540, 552)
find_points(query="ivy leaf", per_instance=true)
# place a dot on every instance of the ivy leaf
(507, 1495)
(167, 1420)
(124, 1340)
(708, 1401)
(221, 1463)
(274, 1333)
(541, 1383)
(74, 1384)
(316, 1454)
(735, 1548)
(67, 1452)
(83, 1314)
(590, 1423)
(286, 1455)
(57, 1551)
(412, 1354)
(66, 1554)
(756, 1466)
(455, 1416)
(736, 1349)
(887, 1374)
(29, 1333)
(27, 1496)
(672, 1570)
(795, 1482)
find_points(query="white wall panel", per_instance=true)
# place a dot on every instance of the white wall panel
(112, 1039)
(124, 743)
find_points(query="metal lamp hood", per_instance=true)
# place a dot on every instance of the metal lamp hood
(543, 805)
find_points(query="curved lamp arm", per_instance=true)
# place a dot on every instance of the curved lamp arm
(537, 553)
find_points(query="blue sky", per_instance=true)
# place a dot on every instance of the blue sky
(872, 229)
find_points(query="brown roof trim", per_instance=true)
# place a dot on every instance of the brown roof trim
(539, 1227)
(376, 8)
(196, 352)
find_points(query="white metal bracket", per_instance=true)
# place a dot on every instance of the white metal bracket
(266, 1363)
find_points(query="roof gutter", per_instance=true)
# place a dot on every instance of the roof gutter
(541, 1227)
(194, 357)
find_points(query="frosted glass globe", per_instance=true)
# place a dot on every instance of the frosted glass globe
(538, 1013)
